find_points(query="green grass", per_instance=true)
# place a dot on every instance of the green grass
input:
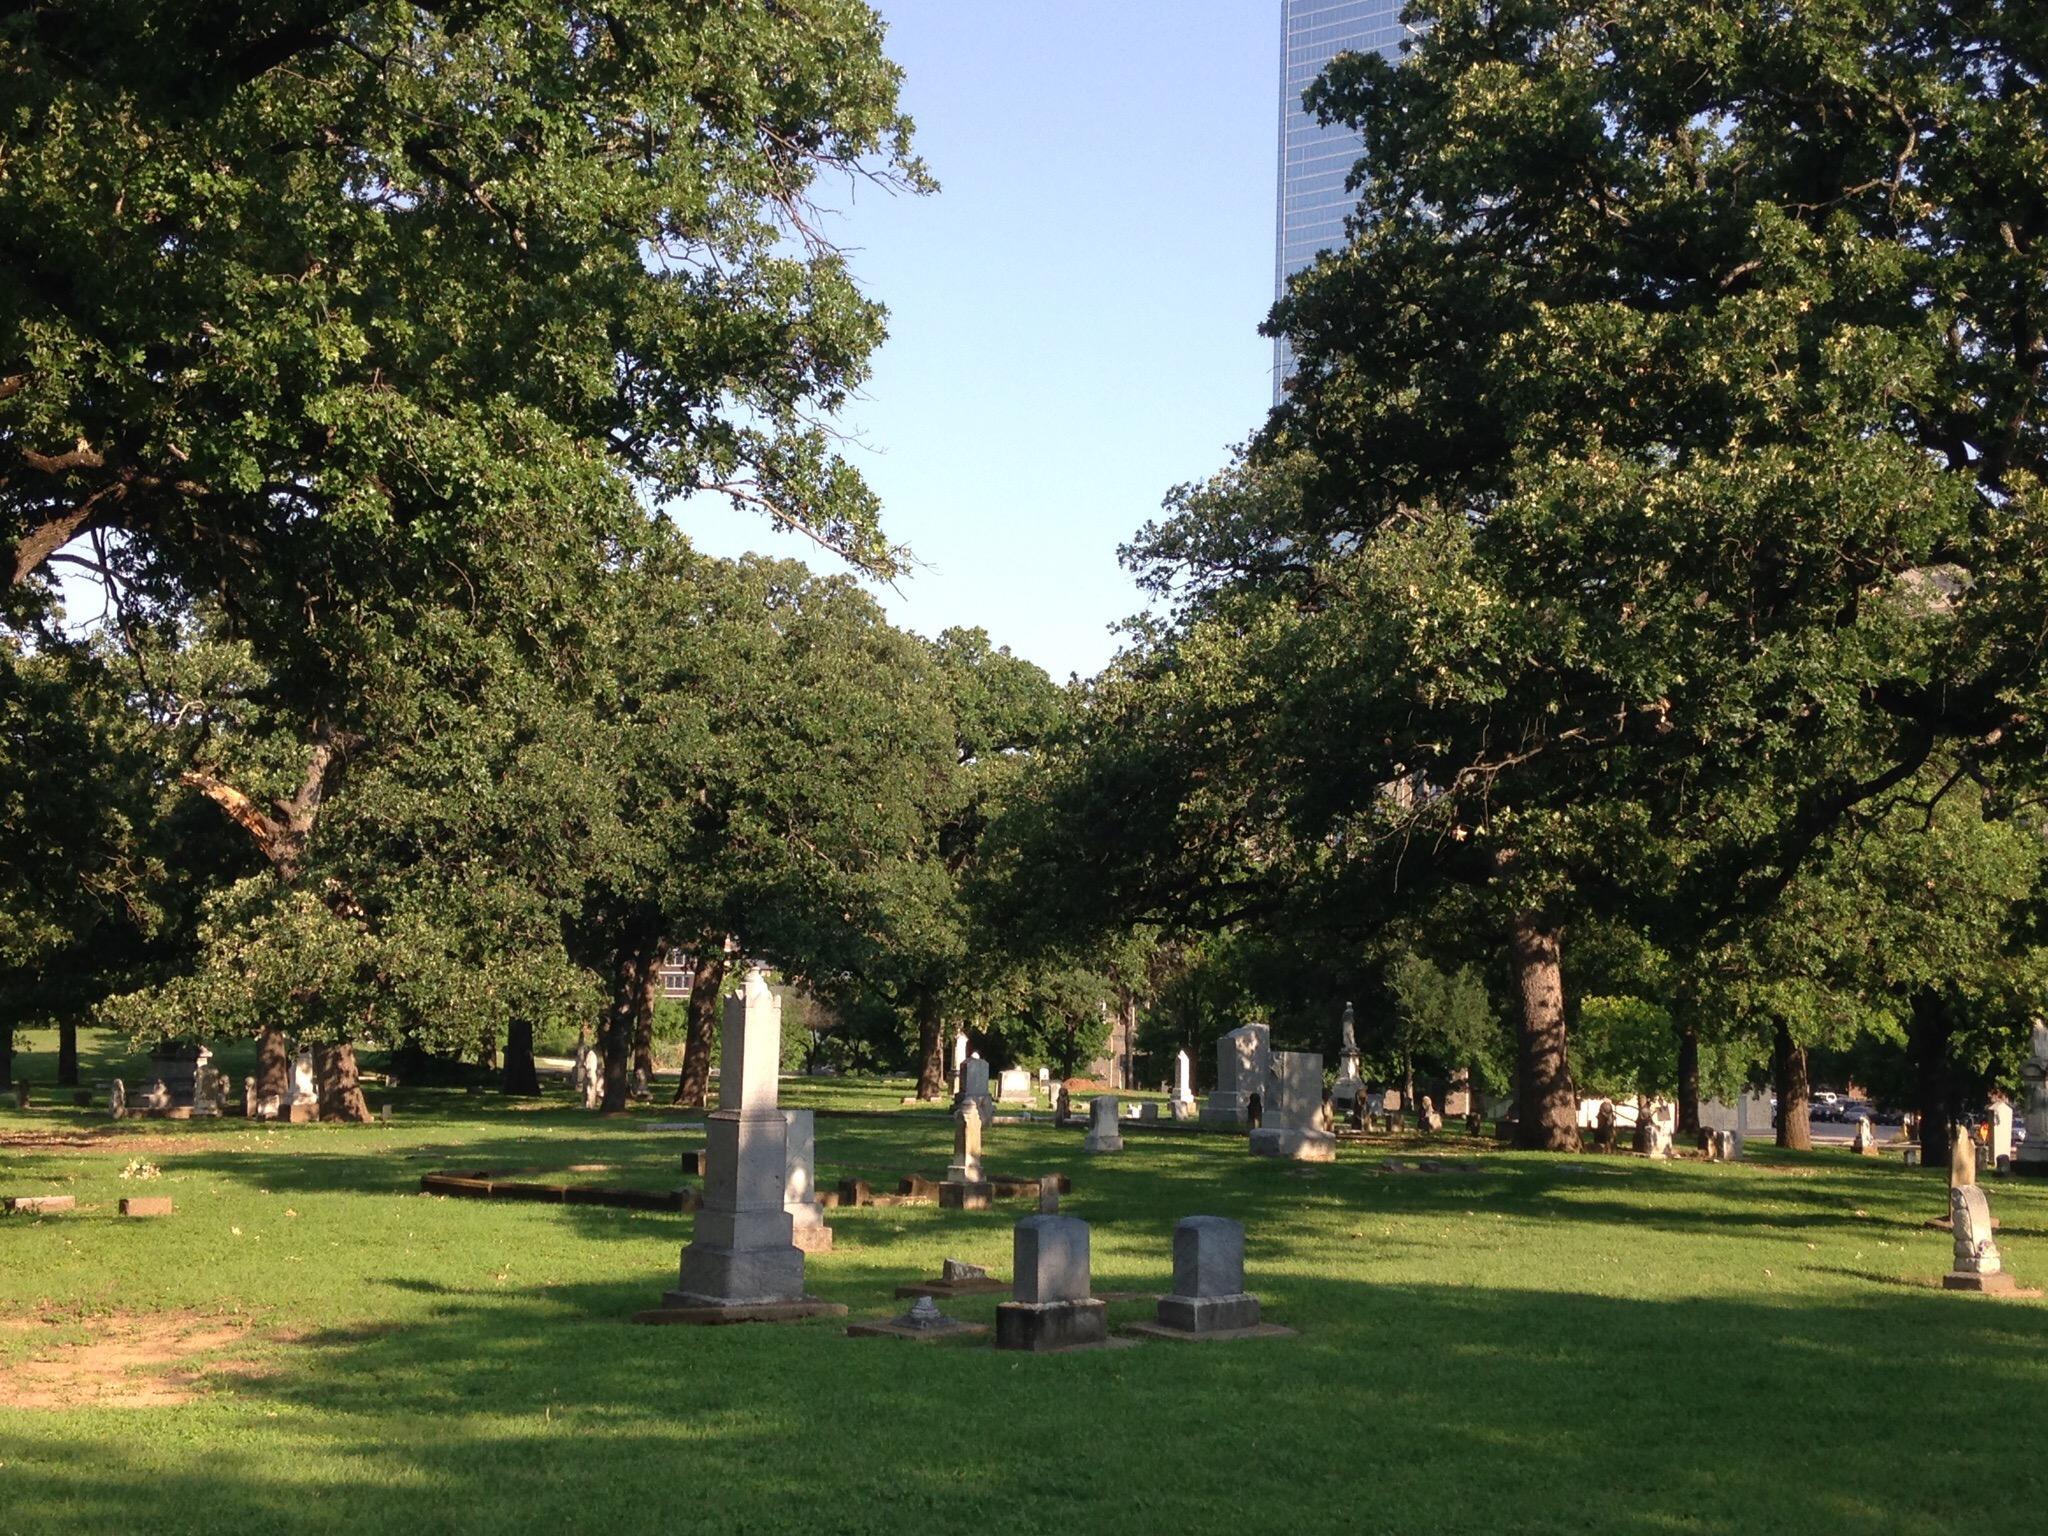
(1583, 1345)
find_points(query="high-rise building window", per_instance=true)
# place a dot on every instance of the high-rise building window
(1314, 161)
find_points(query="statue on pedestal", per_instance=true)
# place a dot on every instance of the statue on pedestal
(2033, 1156)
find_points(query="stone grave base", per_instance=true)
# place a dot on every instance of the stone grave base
(1156, 1330)
(945, 1290)
(147, 1205)
(1042, 1327)
(2000, 1284)
(1301, 1146)
(965, 1197)
(1209, 1314)
(677, 1309)
(816, 1239)
(38, 1205)
(951, 1328)
(484, 1185)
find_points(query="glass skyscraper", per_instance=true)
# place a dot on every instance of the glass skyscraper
(1314, 161)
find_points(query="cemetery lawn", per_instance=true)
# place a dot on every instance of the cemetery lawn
(1544, 1345)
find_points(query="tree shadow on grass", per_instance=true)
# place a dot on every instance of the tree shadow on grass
(1405, 1408)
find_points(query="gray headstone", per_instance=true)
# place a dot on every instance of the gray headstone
(1208, 1256)
(1051, 1256)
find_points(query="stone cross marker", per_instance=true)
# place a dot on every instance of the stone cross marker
(743, 1251)
(1103, 1135)
(1208, 1278)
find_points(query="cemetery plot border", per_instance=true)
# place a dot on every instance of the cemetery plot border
(1156, 1330)
(485, 1185)
(745, 1312)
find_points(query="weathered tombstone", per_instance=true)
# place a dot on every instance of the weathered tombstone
(966, 1187)
(1049, 1194)
(959, 1059)
(1288, 1119)
(1978, 1266)
(157, 1098)
(2001, 1135)
(209, 1092)
(1431, 1119)
(117, 1099)
(1244, 1057)
(1865, 1142)
(1663, 1123)
(1014, 1086)
(1148, 1110)
(1103, 1135)
(1183, 1097)
(1063, 1107)
(1604, 1126)
(1962, 1158)
(249, 1109)
(800, 1182)
(1051, 1306)
(1208, 1279)
(638, 1089)
(1475, 1123)
(305, 1100)
(742, 1255)
(1254, 1111)
(21, 1094)
(586, 1075)
(2033, 1156)
(974, 1086)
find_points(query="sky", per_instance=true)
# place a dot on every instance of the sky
(1073, 315)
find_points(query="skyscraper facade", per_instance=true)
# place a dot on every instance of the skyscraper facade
(1314, 160)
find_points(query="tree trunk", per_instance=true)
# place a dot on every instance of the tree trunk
(1928, 1032)
(6, 1052)
(1795, 1093)
(1548, 1105)
(522, 1078)
(631, 977)
(931, 1049)
(702, 1028)
(273, 1066)
(1689, 1078)
(67, 1055)
(334, 1074)
(643, 1017)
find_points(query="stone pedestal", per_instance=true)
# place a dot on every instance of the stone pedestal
(743, 1253)
(1103, 1135)
(1051, 1308)
(1300, 1146)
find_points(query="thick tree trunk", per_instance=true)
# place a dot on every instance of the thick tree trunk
(334, 1074)
(643, 1017)
(522, 1078)
(706, 1003)
(1795, 1093)
(6, 1052)
(1928, 1033)
(1548, 1105)
(67, 1055)
(931, 1049)
(631, 976)
(273, 1066)
(1688, 1079)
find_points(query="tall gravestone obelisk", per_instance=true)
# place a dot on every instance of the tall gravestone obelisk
(742, 1257)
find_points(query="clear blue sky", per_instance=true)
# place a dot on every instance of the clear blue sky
(1073, 316)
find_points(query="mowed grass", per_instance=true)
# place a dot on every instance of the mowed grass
(1546, 1345)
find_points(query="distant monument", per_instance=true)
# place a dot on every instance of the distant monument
(2033, 1155)
(1290, 1117)
(1349, 1085)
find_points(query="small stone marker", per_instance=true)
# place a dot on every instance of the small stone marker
(953, 1271)
(1208, 1278)
(1431, 1118)
(852, 1192)
(21, 1095)
(2001, 1136)
(1865, 1142)
(1051, 1307)
(117, 1099)
(38, 1205)
(1962, 1159)
(1049, 1195)
(1103, 1135)
(146, 1205)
